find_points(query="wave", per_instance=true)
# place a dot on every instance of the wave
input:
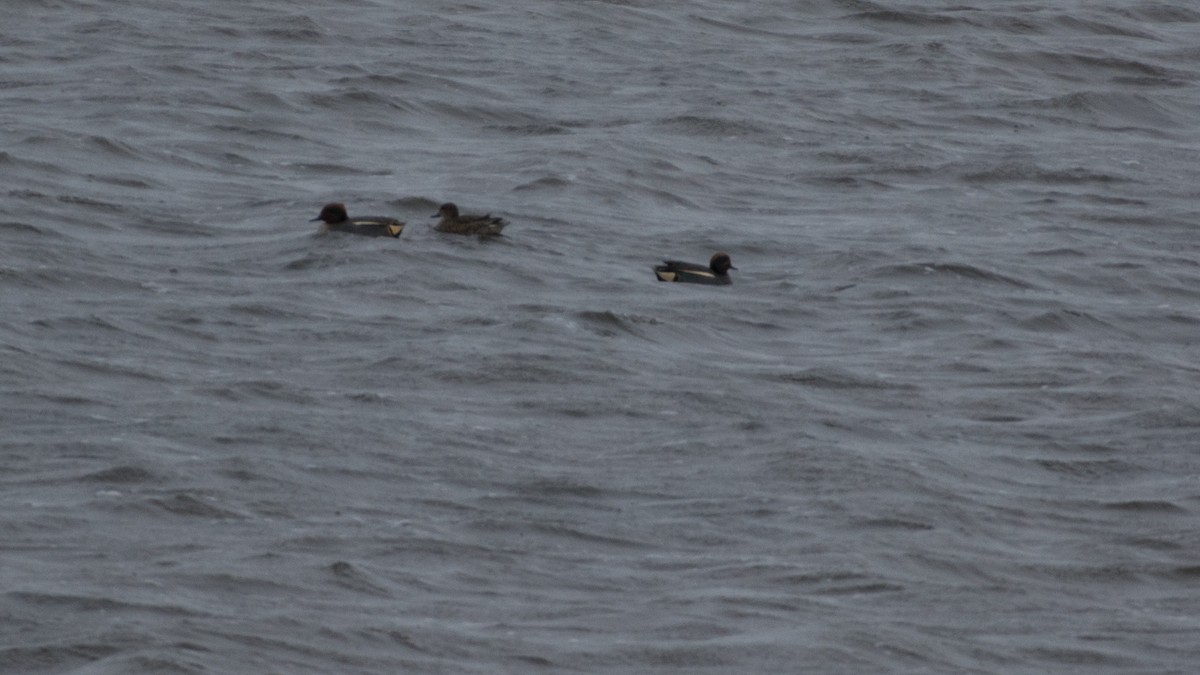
(956, 270)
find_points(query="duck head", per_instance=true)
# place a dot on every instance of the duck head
(332, 213)
(720, 263)
(447, 210)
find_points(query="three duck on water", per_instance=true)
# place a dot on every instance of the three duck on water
(334, 218)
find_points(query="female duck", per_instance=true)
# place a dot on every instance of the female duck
(467, 224)
(716, 274)
(335, 218)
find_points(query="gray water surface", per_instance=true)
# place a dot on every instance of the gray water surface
(945, 420)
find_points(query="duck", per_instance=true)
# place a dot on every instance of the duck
(716, 273)
(455, 223)
(336, 219)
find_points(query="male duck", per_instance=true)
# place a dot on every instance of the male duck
(715, 274)
(335, 218)
(467, 224)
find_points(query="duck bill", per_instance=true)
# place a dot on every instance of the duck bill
(313, 220)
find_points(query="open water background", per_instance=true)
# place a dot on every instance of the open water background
(946, 420)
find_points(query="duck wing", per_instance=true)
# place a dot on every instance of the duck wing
(371, 226)
(469, 224)
(680, 266)
(675, 270)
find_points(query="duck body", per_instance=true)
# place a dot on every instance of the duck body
(455, 223)
(335, 219)
(716, 273)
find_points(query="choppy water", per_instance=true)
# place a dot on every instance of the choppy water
(945, 420)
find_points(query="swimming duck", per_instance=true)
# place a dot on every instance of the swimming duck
(716, 273)
(467, 224)
(335, 218)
